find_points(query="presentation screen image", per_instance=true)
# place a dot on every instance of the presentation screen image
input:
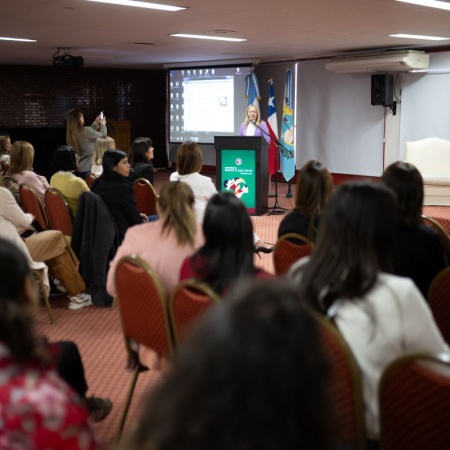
(205, 102)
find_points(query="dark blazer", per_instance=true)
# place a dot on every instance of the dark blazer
(419, 254)
(295, 222)
(95, 241)
(142, 170)
(119, 198)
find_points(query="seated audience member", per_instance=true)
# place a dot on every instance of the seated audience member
(38, 410)
(381, 316)
(312, 193)
(5, 148)
(101, 145)
(252, 376)
(165, 243)
(189, 164)
(21, 168)
(417, 252)
(227, 255)
(65, 180)
(47, 246)
(115, 191)
(141, 155)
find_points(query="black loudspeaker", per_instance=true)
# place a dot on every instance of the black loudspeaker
(382, 89)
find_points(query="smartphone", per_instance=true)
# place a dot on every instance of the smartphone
(101, 115)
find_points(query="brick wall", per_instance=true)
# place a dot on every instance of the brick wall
(34, 101)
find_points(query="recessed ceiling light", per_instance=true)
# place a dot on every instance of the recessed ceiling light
(429, 3)
(139, 4)
(213, 38)
(17, 39)
(418, 36)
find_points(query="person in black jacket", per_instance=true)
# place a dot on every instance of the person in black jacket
(418, 252)
(116, 192)
(141, 154)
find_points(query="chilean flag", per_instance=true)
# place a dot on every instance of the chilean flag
(272, 123)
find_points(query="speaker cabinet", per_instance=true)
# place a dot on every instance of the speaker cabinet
(382, 89)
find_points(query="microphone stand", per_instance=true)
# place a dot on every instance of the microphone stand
(276, 209)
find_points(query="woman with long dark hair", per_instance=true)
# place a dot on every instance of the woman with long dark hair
(417, 252)
(140, 158)
(252, 377)
(381, 316)
(38, 409)
(227, 254)
(313, 191)
(82, 138)
(116, 192)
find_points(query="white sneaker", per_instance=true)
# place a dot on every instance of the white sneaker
(60, 288)
(80, 301)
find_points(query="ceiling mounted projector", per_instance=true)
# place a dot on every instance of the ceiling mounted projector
(67, 60)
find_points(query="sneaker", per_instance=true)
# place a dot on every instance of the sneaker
(98, 407)
(80, 301)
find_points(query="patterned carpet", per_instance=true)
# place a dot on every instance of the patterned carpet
(97, 332)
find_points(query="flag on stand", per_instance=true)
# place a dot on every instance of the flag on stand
(272, 124)
(287, 131)
(252, 90)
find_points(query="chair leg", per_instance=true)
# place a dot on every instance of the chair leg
(123, 418)
(44, 294)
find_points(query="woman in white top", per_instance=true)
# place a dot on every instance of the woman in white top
(189, 164)
(5, 148)
(381, 316)
(102, 144)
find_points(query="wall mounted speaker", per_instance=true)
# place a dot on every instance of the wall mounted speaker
(382, 89)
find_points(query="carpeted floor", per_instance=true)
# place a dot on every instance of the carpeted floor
(98, 334)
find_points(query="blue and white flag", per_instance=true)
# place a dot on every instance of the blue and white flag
(252, 90)
(272, 124)
(287, 154)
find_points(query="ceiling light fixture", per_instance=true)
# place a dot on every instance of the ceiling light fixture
(213, 38)
(430, 3)
(139, 4)
(418, 36)
(17, 39)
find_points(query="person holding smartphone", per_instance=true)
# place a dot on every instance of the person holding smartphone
(82, 138)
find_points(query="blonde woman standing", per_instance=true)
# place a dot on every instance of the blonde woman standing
(82, 138)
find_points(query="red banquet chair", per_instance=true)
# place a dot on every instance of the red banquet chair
(414, 403)
(31, 203)
(143, 309)
(189, 301)
(146, 197)
(289, 248)
(58, 212)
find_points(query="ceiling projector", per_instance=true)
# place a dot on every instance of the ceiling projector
(68, 61)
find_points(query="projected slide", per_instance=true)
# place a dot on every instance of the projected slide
(205, 102)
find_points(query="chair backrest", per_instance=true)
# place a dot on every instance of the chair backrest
(146, 196)
(439, 301)
(143, 307)
(414, 403)
(189, 300)
(289, 248)
(345, 387)
(11, 184)
(90, 178)
(31, 203)
(58, 211)
(443, 234)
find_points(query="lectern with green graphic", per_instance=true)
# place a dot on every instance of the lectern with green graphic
(241, 168)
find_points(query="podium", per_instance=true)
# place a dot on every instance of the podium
(241, 168)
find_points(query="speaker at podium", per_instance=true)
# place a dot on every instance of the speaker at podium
(241, 166)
